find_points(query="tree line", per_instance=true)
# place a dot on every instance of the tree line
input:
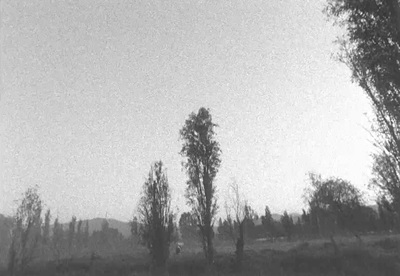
(32, 238)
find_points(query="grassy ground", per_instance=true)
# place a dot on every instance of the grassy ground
(376, 255)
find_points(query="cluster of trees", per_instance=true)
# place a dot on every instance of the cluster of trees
(156, 219)
(28, 237)
(335, 206)
(67, 242)
(26, 233)
(108, 241)
(370, 47)
(155, 227)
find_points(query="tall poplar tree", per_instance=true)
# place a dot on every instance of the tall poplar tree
(202, 152)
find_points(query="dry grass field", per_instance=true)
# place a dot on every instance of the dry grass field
(376, 255)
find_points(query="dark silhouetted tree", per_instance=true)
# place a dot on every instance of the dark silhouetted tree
(225, 231)
(58, 240)
(6, 226)
(268, 223)
(156, 218)
(46, 228)
(79, 236)
(105, 225)
(287, 224)
(188, 227)
(202, 153)
(134, 226)
(335, 202)
(26, 232)
(71, 236)
(370, 47)
(237, 212)
(298, 228)
(387, 216)
(46, 234)
(385, 173)
(309, 223)
(249, 225)
(86, 234)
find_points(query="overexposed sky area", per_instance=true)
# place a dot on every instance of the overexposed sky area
(92, 92)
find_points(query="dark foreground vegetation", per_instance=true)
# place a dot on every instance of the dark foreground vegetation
(376, 255)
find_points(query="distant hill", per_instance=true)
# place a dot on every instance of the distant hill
(276, 217)
(94, 225)
(295, 216)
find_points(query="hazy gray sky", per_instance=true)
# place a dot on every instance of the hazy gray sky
(92, 92)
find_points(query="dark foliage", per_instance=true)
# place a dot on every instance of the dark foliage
(202, 153)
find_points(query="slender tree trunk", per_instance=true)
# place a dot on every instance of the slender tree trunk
(210, 248)
(319, 226)
(207, 220)
(240, 246)
(11, 259)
